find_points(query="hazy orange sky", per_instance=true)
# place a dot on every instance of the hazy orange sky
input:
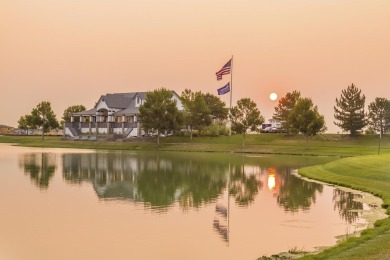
(71, 52)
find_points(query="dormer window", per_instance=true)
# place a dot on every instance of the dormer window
(138, 101)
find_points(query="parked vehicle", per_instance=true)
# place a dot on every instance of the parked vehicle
(272, 130)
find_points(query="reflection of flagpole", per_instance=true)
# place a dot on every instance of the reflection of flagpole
(228, 212)
(231, 94)
(223, 226)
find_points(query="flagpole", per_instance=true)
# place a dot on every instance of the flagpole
(231, 94)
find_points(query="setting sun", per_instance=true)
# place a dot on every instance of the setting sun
(273, 96)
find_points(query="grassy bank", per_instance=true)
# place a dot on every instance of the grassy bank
(329, 144)
(367, 173)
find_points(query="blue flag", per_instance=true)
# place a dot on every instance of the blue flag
(225, 89)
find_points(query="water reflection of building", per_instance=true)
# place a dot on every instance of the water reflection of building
(158, 181)
(113, 176)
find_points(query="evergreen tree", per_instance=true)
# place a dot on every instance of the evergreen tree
(306, 119)
(349, 110)
(377, 112)
(284, 108)
(245, 116)
(159, 112)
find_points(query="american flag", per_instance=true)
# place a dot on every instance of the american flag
(225, 70)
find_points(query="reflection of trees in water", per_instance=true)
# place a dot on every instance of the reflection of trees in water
(344, 202)
(160, 180)
(159, 188)
(243, 186)
(202, 183)
(40, 168)
(296, 194)
(157, 180)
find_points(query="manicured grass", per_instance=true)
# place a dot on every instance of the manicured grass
(329, 144)
(367, 173)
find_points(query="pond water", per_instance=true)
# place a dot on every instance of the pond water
(85, 204)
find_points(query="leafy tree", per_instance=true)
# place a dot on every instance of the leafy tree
(284, 108)
(42, 116)
(196, 111)
(159, 112)
(245, 116)
(377, 112)
(349, 110)
(216, 106)
(69, 111)
(306, 120)
(25, 122)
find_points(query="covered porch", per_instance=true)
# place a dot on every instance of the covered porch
(102, 121)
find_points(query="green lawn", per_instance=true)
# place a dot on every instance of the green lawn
(329, 144)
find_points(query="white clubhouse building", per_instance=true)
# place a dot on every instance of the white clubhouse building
(113, 114)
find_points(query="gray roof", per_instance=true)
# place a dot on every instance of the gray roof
(121, 100)
(130, 110)
(124, 101)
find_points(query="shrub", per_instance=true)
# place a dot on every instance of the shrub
(369, 131)
(211, 130)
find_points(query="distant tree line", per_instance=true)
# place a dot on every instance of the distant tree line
(349, 113)
(208, 115)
